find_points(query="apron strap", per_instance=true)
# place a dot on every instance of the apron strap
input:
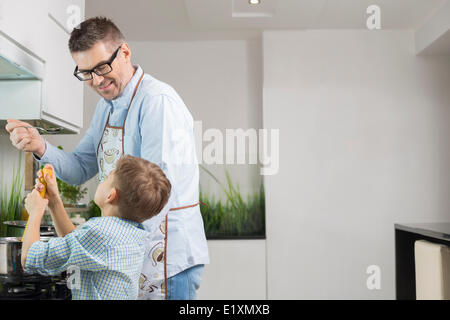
(189, 206)
(129, 106)
(124, 121)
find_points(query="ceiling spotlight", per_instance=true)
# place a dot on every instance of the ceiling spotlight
(254, 1)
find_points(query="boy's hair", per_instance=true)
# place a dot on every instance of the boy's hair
(143, 189)
(93, 30)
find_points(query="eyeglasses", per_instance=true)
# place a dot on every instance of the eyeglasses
(100, 70)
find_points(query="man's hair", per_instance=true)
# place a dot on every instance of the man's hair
(93, 30)
(143, 189)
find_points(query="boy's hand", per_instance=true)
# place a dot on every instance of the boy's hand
(52, 193)
(34, 204)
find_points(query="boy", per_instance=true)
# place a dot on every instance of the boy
(108, 250)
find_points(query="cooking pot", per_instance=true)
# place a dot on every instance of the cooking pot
(10, 254)
(16, 228)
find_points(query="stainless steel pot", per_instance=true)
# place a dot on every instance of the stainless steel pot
(16, 228)
(10, 254)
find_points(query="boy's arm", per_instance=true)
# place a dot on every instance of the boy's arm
(83, 248)
(35, 206)
(61, 221)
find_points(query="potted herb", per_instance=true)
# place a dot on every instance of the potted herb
(94, 210)
(70, 194)
(235, 217)
(11, 198)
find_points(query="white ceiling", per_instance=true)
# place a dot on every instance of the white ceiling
(236, 19)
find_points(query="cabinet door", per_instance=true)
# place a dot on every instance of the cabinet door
(63, 93)
(24, 22)
(66, 13)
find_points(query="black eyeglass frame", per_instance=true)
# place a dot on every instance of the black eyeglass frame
(109, 62)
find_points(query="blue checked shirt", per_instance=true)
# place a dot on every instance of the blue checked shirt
(108, 252)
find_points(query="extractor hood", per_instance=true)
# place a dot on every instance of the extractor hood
(17, 62)
(11, 71)
(21, 86)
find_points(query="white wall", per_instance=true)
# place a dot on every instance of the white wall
(237, 271)
(364, 130)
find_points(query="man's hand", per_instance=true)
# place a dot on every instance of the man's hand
(35, 205)
(26, 139)
(52, 194)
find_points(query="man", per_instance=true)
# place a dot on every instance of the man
(141, 116)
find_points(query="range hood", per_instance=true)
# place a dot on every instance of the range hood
(22, 86)
(11, 71)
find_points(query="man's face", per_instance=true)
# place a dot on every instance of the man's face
(110, 85)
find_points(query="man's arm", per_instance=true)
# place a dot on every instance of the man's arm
(75, 168)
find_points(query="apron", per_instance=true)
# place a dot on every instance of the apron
(153, 279)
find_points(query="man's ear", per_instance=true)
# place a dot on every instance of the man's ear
(126, 51)
(113, 196)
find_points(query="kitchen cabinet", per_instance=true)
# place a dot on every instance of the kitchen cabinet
(21, 21)
(63, 97)
(41, 28)
(24, 20)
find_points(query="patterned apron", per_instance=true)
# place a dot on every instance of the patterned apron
(153, 279)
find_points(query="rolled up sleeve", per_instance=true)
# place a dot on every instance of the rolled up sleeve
(83, 248)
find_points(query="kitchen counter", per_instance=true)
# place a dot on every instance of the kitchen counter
(405, 237)
(434, 230)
